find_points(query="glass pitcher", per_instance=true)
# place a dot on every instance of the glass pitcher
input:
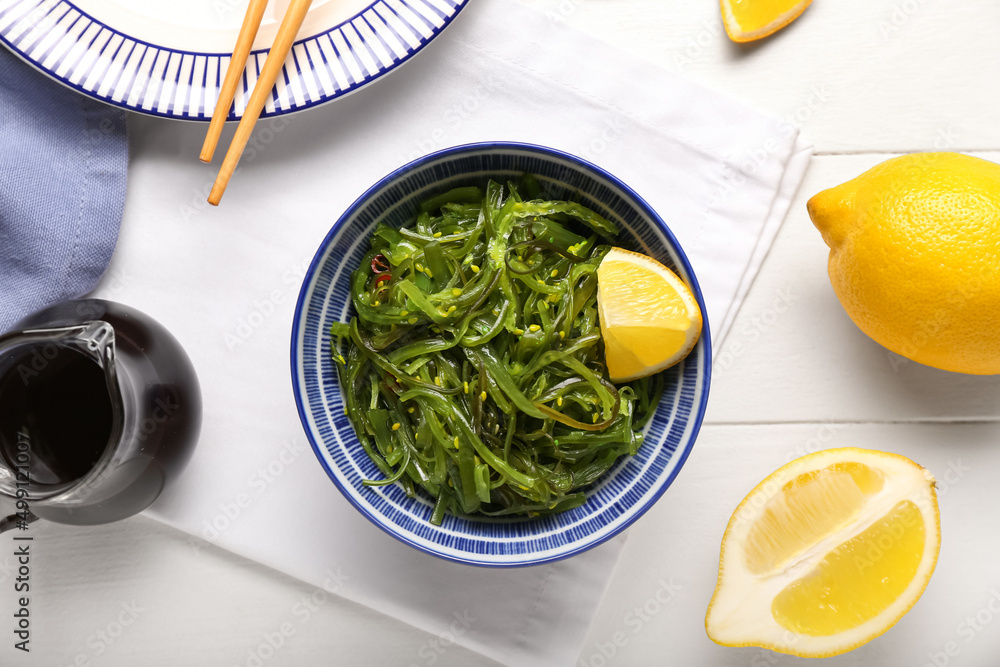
(100, 408)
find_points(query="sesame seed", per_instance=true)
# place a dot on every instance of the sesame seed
(437, 235)
(404, 313)
(412, 320)
(555, 272)
(465, 385)
(475, 269)
(595, 417)
(518, 332)
(482, 396)
(559, 401)
(377, 303)
(452, 309)
(496, 312)
(456, 292)
(396, 426)
(410, 410)
(562, 334)
(456, 442)
(437, 380)
(427, 272)
(420, 267)
(534, 327)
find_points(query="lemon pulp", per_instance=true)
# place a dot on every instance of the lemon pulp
(809, 507)
(859, 579)
(755, 15)
(649, 318)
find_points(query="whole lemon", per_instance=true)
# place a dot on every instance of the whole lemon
(915, 257)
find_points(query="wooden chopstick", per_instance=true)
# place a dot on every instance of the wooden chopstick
(248, 33)
(290, 25)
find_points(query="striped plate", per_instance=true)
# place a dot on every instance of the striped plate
(168, 58)
(615, 501)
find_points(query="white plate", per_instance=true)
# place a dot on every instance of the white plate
(169, 57)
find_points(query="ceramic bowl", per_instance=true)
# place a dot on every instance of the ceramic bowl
(616, 500)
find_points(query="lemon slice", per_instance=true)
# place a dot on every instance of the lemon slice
(650, 320)
(747, 20)
(826, 554)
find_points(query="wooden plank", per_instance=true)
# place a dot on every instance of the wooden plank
(855, 75)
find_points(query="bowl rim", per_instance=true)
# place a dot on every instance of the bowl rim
(697, 415)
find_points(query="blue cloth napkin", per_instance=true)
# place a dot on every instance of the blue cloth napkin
(63, 171)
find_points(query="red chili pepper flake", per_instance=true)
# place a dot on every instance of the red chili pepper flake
(383, 278)
(380, 264)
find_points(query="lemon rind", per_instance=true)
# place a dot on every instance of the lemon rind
(737, 34)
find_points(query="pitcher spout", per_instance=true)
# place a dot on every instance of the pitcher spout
(94, 339)
(97, 340)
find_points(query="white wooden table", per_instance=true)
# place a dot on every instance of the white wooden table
(864, 81)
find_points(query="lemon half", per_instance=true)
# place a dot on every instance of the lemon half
(826, 554)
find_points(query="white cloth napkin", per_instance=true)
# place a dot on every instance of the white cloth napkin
(225, 281)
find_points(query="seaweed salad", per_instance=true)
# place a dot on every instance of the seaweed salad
(474, 369)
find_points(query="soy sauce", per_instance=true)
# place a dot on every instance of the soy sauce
(134, 430)
(60, 411)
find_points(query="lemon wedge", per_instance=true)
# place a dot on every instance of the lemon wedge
(650, 320)
(747, 20)
(826, 554)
